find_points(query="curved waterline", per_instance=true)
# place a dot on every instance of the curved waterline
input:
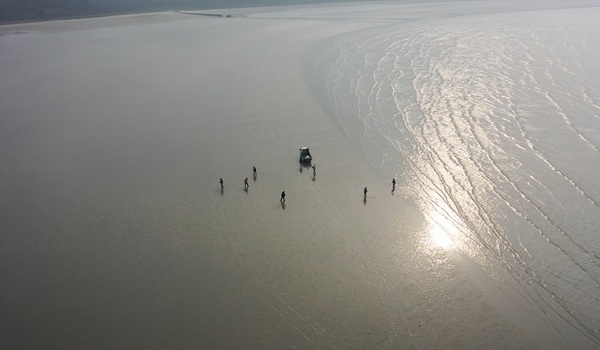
(489, 120)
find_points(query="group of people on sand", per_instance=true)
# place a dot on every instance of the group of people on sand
(254, 175)
(246, 185)
(366, 190)
(282, 199)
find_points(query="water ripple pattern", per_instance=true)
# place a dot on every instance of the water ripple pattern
(493, 123)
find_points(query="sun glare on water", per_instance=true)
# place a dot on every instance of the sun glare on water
(439, 238)
(439, 227)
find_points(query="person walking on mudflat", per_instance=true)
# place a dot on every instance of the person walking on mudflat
(365, 192)
(393, 185)
(314, 168)
(282, 200)
(246, 183)
(221, 182)
(254, 171)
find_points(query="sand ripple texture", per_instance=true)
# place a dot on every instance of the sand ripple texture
(492, 124)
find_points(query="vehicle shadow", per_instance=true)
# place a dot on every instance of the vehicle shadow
(304, 166)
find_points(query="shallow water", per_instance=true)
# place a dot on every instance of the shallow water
(491, 123)
(114, 133)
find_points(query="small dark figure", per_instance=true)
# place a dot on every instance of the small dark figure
(246, 183)
(254, 171)
(282, 200)
(393, 185)
(365, 191)
(314, 167)
(221, 182)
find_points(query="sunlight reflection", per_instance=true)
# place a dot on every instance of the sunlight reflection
(439, 238)
(439, 229)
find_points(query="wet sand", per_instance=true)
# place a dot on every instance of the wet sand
(115, 233)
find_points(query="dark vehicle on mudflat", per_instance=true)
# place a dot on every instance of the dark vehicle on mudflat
(305, 156)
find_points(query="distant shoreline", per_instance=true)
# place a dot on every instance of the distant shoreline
(140, 11)
(101, 15)
(132, 10)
